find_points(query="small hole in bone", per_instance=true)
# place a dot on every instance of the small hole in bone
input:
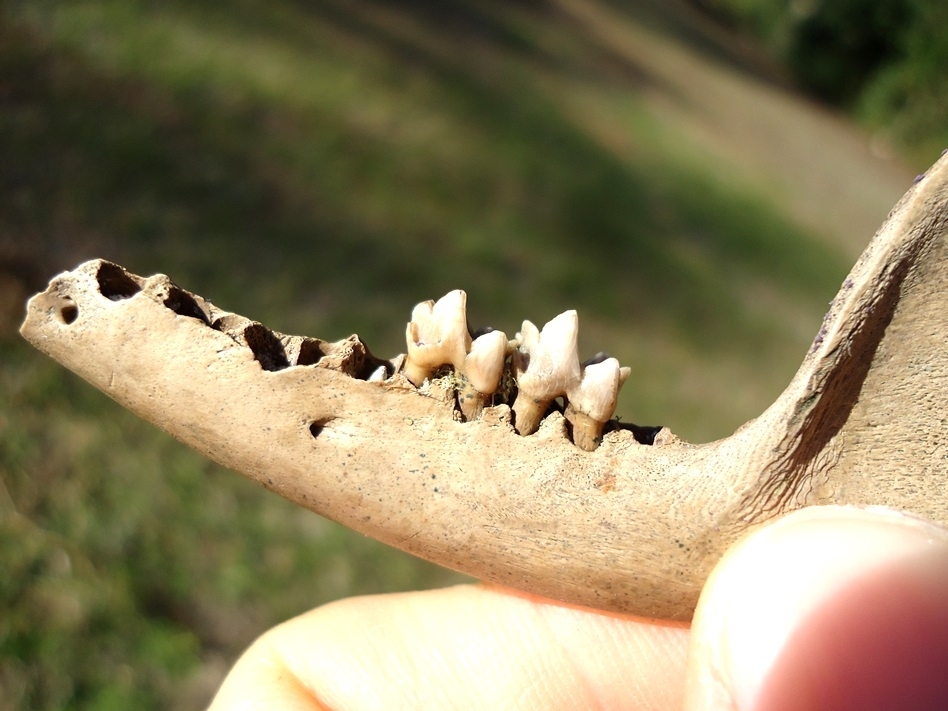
(183, 304)
(266, 347)
(69, 312)
(316, 427)
(115, 283)
(643, 434)
(311, 352)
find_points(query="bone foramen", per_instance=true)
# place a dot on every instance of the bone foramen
(635, 525)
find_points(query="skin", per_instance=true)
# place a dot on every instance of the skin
(829, 608)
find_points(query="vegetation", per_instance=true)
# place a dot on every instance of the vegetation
(883, 59)
(322, 167)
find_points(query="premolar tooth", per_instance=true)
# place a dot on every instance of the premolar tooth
(547, 366)
(437, 335)
(592, 401)
(545, 363)
(484, 364)
(483, 369)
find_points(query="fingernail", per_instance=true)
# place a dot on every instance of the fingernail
(830, 607)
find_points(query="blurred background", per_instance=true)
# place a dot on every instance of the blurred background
(695, 177)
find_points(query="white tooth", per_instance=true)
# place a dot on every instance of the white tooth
(378, 375)
(437, 335)
(483, 369)
(552, 358)
(421, 314)
(593, 401)
(560, 333)
(529, 336)
(547, 366)
(598, 390)
(484, 365)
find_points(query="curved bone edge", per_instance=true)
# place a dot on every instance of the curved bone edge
(865, 419)
(629, 527)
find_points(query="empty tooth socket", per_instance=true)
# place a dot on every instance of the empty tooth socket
(117, 284)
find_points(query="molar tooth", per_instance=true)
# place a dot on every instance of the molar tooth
(437, 335)
(547, 366)
(592, 401)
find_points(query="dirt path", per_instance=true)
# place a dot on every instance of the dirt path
(827, 174)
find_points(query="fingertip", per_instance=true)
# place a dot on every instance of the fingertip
(828, 608)
(462, 647)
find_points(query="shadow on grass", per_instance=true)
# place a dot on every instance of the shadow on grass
(189, 178)
(431, 158)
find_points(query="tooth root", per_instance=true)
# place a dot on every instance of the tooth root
(587, 432)
(471, 401)
(528, 413)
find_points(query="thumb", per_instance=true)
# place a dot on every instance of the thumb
(832, 608)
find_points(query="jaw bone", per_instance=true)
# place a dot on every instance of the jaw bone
(631, 526)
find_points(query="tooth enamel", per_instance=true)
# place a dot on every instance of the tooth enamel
(483, 369)
(546, 366)
(484, 365)
(593, 401)
(437, 335)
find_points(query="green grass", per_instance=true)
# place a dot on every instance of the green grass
(883, 61)
(322, 167)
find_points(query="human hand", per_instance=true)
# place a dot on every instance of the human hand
(828, 608)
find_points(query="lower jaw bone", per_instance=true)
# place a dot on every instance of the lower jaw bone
(629, 527)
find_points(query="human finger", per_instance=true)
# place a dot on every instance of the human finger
(832, 608)
(459, 648)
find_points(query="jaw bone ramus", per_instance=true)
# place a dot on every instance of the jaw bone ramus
(469, 466)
